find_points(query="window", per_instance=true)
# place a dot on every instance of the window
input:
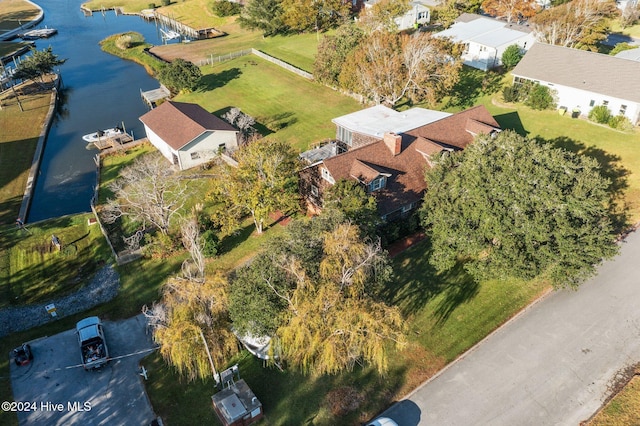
(605, 103)
(623, 109)
(377, 184)
(422, 15)
(314, 190)
(592, 103)
(327, 176)
(195, 155)
(345, 135)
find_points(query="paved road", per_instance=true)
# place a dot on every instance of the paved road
(552, 365)
(57, 388)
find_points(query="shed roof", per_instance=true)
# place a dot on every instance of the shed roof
(632, 54)
(485, 31)
(581, 69)
(179, 123)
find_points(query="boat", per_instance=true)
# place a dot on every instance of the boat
(39, 33)
(103, 134)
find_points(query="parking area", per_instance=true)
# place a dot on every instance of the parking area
(54, 389)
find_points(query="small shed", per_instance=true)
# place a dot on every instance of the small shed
(236, 405)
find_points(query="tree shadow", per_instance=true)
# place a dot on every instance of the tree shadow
(612, 169)
(511, 120)
(214, 81)
(280, 121)
(236, 238)
(473, 84)
(460, 289)
(258, 126)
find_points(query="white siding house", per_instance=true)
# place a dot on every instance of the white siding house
(187, 134)
(485, 39)
(581, 79)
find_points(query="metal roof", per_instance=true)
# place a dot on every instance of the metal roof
(379, 119)
(485, 31)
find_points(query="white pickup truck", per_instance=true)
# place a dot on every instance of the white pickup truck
(93, 346)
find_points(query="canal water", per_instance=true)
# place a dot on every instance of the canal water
(100, 91)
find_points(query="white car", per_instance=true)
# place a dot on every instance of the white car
(382, 421)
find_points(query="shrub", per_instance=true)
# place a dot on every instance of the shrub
(511, 56)
(510, 94)
(151, 5)
(224, 8)
(166, 2)
(620, 122)
(210, 243)
(600, 114)
(539, 98)
(160, 246)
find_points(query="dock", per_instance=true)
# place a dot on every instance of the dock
(113, 142)
(153, 97)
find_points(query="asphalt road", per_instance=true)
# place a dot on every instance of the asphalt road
(554, 364)
(55, 390)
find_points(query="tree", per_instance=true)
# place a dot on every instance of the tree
(242, 121)
(511, 10)
(147, 191)
(350, 198)
(511, 207)
(388, 67)
(447, 12)
(621, 47)
(539, 97)
(180, 76)
(383, 13)
(37, 65)
(630, 14)
(314, 15)
(224, 8)
(333, 52)
(263, 15)
(511, 56)
(324, 277)
(264, 181)
(579, 23)
(191, 325)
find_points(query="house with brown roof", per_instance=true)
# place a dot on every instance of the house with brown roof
(392, 167)
(581, 79)
(187, 134)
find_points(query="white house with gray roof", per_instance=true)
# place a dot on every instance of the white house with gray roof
(581, 79)
(485, 39)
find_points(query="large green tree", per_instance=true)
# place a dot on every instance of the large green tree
(264, 181)
(38, 64)
(333, 51)
(512, 207)
(350, 198)
(180, 76)
(263, 15)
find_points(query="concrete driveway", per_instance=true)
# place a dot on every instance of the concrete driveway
(554, 364)
(60, 392)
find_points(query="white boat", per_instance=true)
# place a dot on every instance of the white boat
(103, 134)
(39, 33)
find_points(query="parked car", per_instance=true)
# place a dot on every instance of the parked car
(22, 355)
(93, 346)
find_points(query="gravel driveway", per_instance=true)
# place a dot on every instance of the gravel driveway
(55, 390)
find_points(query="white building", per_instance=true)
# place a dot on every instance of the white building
(485, 39)
(187, 134)
(581, 79)
(419, 14)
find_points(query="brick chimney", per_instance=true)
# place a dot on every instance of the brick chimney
(393, 142)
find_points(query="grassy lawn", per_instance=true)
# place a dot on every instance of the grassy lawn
(284, 105)
(34, 271)
(633, 31)
(13, 13)
(624, 408)
(18, 140)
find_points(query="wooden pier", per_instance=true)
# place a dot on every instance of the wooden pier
(113, 142)
(154, 97)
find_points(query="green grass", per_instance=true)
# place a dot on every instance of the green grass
(18, 140)
(623, 409)
(134, 53)
(285, 106)
(16, 12)
(34, 271)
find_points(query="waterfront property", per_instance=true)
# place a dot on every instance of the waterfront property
(187, 134)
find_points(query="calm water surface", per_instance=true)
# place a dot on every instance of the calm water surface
(100, 91)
